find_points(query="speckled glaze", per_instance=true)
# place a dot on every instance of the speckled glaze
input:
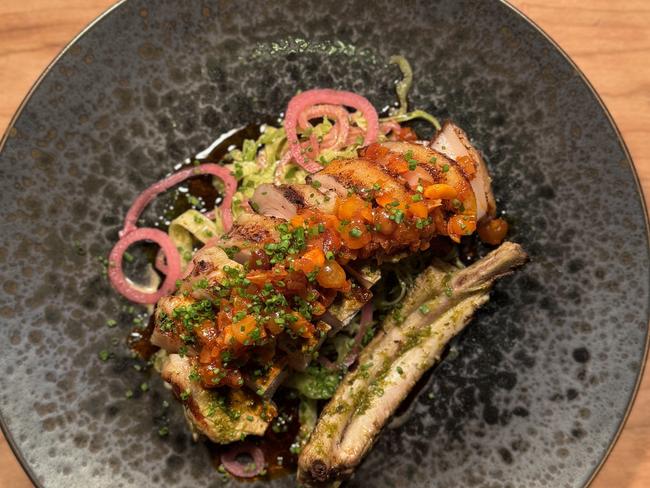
(542, 378)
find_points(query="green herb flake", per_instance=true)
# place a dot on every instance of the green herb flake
(104, 355)
(201, 284)
(446, 282)
(355, 232)
(194, 375)
(239, 316)
(458, 205)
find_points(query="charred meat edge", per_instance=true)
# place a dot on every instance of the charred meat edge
(395, 359)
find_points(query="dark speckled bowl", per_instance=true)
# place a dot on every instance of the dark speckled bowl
(542, 380)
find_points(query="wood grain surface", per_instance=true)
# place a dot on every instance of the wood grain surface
(609, 41)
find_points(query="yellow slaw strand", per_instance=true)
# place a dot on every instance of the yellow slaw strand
(191, 225)
(404, 85)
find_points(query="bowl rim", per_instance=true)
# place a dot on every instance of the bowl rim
(635, 391)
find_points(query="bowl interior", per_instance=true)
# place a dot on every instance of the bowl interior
(535, 389)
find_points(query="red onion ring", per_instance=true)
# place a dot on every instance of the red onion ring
(304, 100)
(150, 193)
(234, 467)
(353, 136)
(119, 280)
(168, 259)
(366, 316)
(364, 325)
(281, 168)
(341, 117)
(389, 126)
(327, 364)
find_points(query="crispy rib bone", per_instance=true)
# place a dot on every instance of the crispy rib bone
(395, 359)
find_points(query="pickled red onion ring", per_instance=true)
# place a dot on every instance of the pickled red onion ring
(160, 263)
(306, 99)
(341, 117)
(366, 316)
(122, 284)
(168, 259)
(364, 325)
(150, 193)
(389, 126)
(236, 468)
(281, 168)
(353, 135)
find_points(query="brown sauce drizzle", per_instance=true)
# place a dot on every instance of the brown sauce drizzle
(139, 340)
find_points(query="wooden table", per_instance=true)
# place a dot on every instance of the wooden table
(610, 41)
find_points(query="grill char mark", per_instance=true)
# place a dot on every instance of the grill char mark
(293, 196)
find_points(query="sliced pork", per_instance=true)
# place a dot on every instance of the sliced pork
(207, 271)
(453, 142)
(436, 168)
(223, 416)
(250, 232)
(284, 201)
(358, 175)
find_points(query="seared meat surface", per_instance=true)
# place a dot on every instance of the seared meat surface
(249, 233)
(359, 175)
(285, 201)
(223, 417)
